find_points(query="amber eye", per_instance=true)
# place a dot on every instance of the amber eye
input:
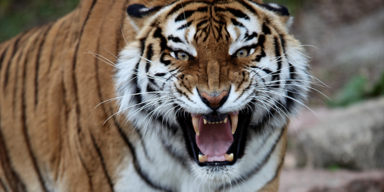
(242, 53)
(182, 55)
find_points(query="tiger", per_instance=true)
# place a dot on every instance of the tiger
(170, 95)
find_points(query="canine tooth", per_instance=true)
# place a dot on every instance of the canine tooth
(195, 122)
(234, 120)
(228, 157)
(225, 120)
(203, 158)
(205, 121)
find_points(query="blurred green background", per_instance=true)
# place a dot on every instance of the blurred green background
(19, 15)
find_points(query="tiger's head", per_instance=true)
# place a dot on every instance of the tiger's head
(213, 80)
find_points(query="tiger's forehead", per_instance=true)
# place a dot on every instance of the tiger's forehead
(226, 23)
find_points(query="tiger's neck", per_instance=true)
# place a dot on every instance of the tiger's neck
(157, 165)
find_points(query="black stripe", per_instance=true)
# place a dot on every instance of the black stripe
(185, 26)
(282, 43)
(259, 57)
(186, 14)
(181, 92)
(136, 164)
(14, 48)
(149, 88)
(25, 127)
(263, 69)
(75, 89)
(261, 41)
(102, 162)
(97, 71)
(40, 47)
(276, 74)
(86, 170)
(283, 11)
(266, 29)
(137, 97)
(291, 93)
(2, 57)
(149, 57)
(249, 7)
(258, 167)
(162, 60)
(160, 74)
(181, 5)
(257, 82)
(174, 39)
(163, 41)
(11, 176)
(235, 22)
(143, 144)
(201, 23)
(249, 37)
(237, 13)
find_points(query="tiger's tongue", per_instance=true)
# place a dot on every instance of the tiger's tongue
(214, 140)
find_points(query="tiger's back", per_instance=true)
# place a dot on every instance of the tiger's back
(53, 130)
(49, 88)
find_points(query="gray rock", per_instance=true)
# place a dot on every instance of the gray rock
(353, 138)
(308, 180)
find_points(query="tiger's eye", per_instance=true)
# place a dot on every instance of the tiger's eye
(182, 55)
(242, 53)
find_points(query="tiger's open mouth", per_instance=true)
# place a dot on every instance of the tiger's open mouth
(215, 139)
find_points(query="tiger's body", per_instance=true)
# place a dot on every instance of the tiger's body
(179, 64)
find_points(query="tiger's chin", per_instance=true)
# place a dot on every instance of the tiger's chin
(216, 142)
(216, 175)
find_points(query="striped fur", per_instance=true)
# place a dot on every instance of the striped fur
(54, 138)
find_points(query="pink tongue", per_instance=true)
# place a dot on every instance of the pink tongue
(214, 139)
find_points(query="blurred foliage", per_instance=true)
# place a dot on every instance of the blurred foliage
(333, 168)
(378, 88)
(19, 15)
(352, 92)
(356, 90)
(292, 5)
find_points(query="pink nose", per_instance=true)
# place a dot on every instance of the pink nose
(214, 102)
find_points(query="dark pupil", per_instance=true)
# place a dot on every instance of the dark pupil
(182, 55)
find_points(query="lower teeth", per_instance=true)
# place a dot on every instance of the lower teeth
(204, 158)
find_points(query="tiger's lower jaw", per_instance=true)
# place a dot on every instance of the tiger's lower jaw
(233, 153)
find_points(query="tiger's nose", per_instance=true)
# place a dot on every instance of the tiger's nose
(214, 101)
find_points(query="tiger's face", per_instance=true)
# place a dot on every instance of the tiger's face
(213, 80)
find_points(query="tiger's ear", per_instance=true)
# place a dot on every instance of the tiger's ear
(138, 14)
(281, 11)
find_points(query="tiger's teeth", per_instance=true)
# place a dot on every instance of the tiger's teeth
(195, 122)
(203, 158)
(234, 120)
(227, 157)
(225, 120)
(205, 121)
